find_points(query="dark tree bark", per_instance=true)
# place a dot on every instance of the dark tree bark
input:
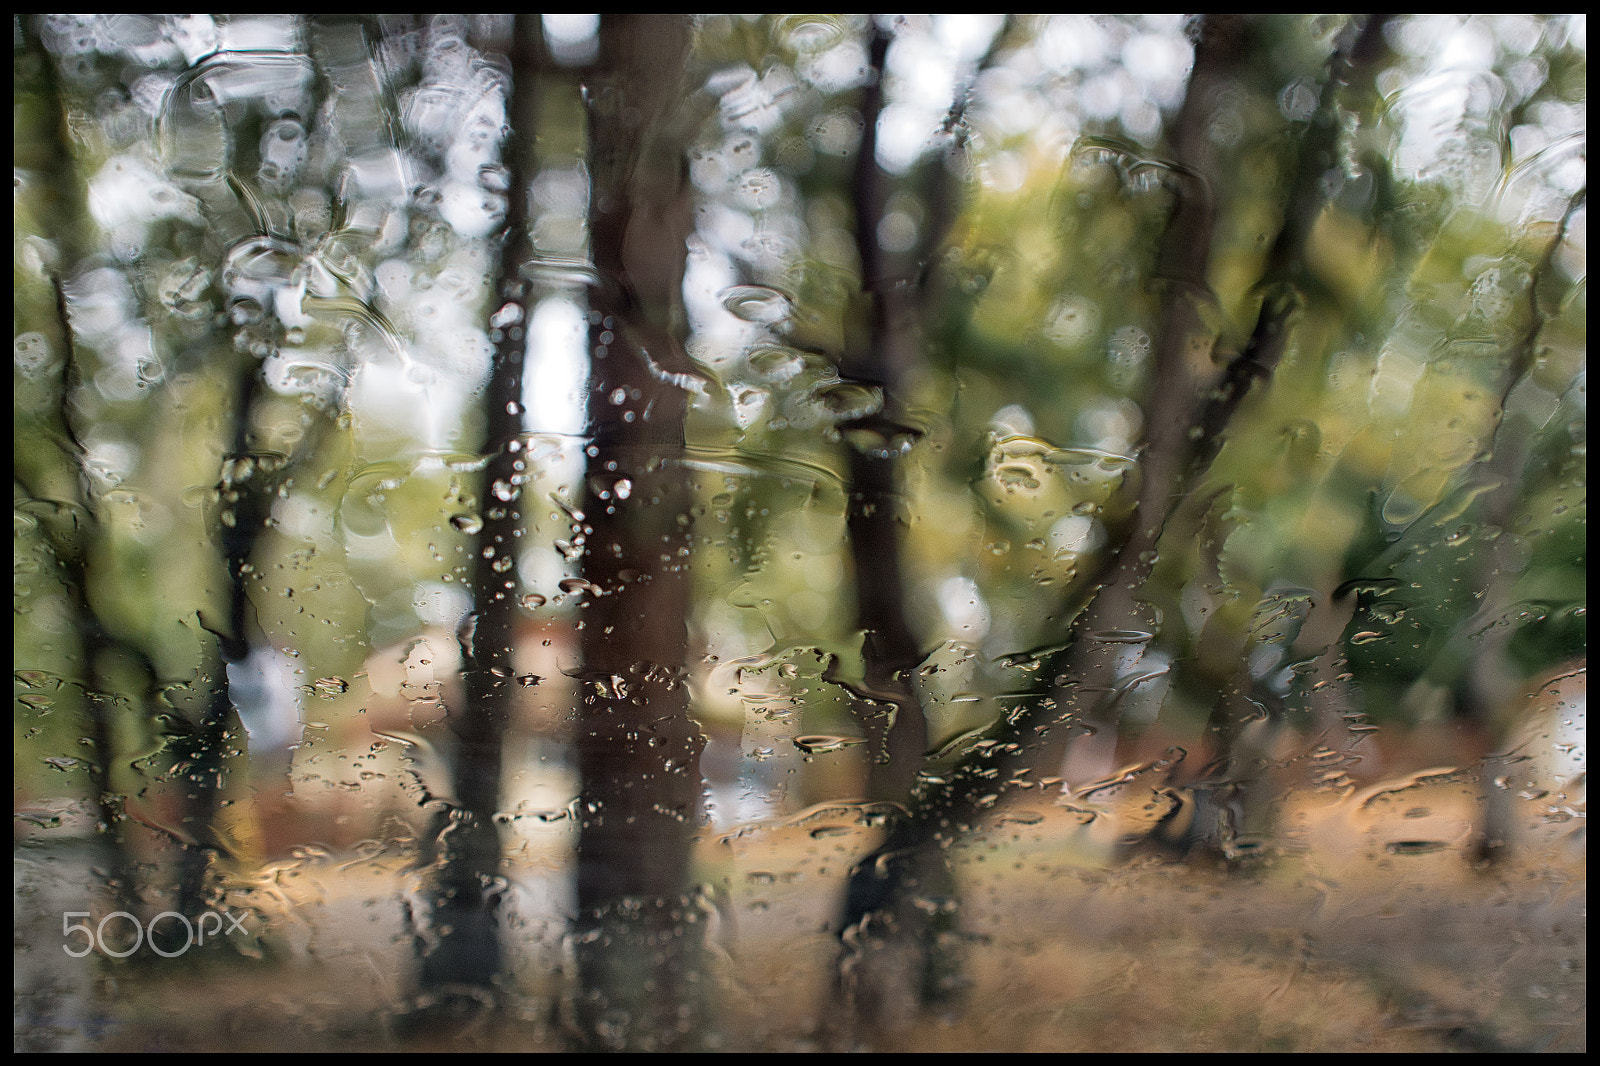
(905, 955)
(1235, 805)
(244, 496)
(872, 971)
(1189, 408)
(468, 953)
(637, 750)
(888, 707)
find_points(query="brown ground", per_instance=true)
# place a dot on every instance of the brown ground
(1336, 941)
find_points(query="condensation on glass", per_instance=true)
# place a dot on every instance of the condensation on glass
(866, 533)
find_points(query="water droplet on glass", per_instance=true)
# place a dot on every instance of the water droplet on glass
(811, 33)
(610, 486)
(1402, 508)
(1388, 613)
(775, 364)
(1016, 476)
(1366, 586)
(32, 353)
(329, 687)
(822, 832)
(1415, 847)
(845, 400)
(757, 304)
(817, 743)
(1122, 636)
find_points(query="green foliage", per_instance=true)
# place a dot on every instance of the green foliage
(1437, 347)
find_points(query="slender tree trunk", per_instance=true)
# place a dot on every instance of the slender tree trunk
(71, 533)
(636, 933)
(882, 957)
(1185, 417)
(467, 893)
(1234, 803)
(905, 954)
(244, 495)
(1473, 658)
(888, 709)
(1191, 408)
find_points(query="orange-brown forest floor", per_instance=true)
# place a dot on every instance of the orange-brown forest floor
(1338, 941)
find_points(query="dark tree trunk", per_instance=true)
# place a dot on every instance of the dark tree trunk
(1189, 408)
(467, 893)
(637, 750)
(244, 495)
(888, 709)
(884, 954)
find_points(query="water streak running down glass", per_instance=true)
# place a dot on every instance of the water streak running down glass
(800, 532)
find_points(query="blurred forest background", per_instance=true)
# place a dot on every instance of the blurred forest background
(480, 480)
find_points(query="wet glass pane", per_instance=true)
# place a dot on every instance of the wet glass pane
(800, 532)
